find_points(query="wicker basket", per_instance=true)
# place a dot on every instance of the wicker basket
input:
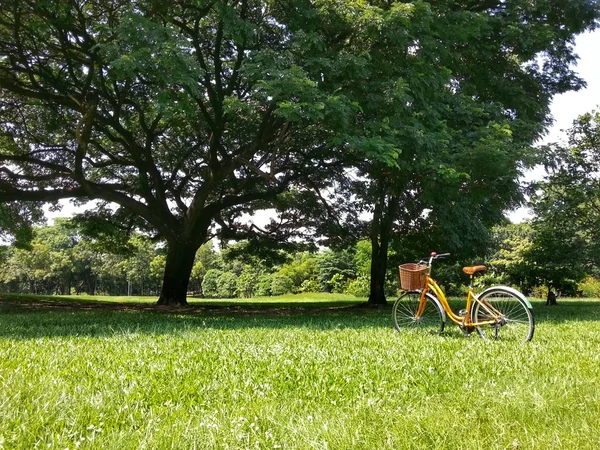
(412, 276)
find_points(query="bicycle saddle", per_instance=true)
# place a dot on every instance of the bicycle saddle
(472, 270)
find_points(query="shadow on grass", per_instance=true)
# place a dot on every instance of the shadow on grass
(30, 317)
(567, 310)
(37, 317)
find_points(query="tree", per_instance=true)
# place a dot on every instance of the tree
(463, 129)
(185, 114)
(302, 266)
(16, 220)
(210, 283)
(567, 207)
(507, 256)
(335, 267)
(137, 265)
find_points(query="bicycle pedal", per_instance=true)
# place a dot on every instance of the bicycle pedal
(462, 313)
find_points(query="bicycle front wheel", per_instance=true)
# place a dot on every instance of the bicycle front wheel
(405, 309)
(516, 319)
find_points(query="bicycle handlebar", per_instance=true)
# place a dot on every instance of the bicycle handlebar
(428, 260)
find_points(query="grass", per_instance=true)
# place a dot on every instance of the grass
(271, 373)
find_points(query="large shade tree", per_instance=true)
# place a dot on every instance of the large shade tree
(183, 114)
(191, 113)
(477, 85)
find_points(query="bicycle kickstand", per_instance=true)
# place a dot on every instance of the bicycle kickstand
(497, 326)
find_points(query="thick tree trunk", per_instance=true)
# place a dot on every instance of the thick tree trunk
(178, 268)
(381, 231)
(378, 271)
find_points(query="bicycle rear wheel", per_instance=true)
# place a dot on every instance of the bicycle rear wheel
(404, 313)
(516, 317)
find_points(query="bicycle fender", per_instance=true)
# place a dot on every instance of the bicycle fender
(511, 290)
(435, 300)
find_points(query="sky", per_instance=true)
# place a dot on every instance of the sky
(565, 107)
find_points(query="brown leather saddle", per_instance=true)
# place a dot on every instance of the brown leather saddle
(472, 270)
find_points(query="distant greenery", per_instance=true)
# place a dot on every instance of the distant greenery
(64, 261)
(291, 376)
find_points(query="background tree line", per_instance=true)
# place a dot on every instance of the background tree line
(62, 260)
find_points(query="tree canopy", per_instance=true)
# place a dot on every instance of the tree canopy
(187, 115)
(566, 204)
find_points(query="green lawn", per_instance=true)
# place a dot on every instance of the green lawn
(289, 372)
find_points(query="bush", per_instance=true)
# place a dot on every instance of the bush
(310, 286)
(210, 283)
(227, 285)
(338, 283)
(359, 287)
(590, 287)
(262, 288)
(281, 284)
(246, 284)
(302, 267)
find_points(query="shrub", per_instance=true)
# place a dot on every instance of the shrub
(359, 287)
(227, 285)
(281, 284)
(310, 286)
(262, 288)
(302, 267)
(338, 283)
(246, 284)
(210, 283)
(590, 287)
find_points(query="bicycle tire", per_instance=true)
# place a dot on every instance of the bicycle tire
(515, 309)
(405, 309)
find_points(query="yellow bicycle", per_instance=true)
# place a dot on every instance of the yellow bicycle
(498, 311)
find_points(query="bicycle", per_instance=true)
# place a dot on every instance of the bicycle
(498, 310)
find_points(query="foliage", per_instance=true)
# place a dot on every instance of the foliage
(567, 209)
(16, 220)
(335, 266)
(338, 283)
(303, 266)
(508, 259)
(590, 287)
(461, 130)
(246, 282)
(536, 259)
(310, 286)
(358, 287)
(263, 285)
(210, 283)
(227, 285)
(188, 116)
(281, 284)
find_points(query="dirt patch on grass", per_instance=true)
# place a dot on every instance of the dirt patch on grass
(246, 308)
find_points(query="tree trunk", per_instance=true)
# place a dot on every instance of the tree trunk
(550, 298)
(378, 271)
(178, 268)
(381, 231)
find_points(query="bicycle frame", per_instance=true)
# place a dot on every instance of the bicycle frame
(462, 321)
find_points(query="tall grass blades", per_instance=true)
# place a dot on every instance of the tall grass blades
(318, 375)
